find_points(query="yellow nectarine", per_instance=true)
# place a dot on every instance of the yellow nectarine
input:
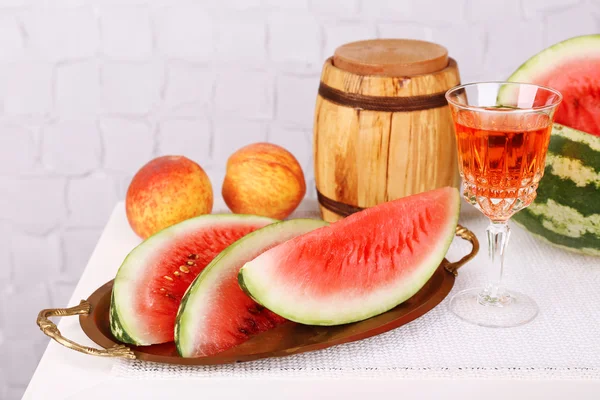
(263, 179)
(166, 191)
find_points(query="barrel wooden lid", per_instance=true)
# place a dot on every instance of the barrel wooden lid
(391, 57)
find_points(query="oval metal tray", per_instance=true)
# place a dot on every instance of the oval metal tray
(287, 339)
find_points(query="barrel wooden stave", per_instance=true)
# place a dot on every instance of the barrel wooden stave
(363, 157)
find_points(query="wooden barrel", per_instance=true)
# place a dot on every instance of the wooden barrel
(382, 125)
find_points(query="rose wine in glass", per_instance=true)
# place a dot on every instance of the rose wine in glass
(502, 134)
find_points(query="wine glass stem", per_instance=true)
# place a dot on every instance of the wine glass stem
(494, 293)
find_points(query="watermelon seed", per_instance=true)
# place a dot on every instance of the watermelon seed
(169, 295)
(168, 278)
(255, 309)
(162, 289)
(184, 269)
(193, 256)
(190, 263)
(176, 273)
(242, 330)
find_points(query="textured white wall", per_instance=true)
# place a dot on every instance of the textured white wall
(92, 89)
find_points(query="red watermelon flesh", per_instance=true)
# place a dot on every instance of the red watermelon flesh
(579, 83)
(153, 278)
(358, 267)
(573, 68)
(215, 314)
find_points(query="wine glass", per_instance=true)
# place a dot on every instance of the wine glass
(502, 134)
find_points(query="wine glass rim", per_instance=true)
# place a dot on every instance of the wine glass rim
(554, 104)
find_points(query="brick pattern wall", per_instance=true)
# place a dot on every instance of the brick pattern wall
(92, 89)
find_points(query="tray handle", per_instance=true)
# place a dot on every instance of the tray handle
(465, 234)
(50, 329)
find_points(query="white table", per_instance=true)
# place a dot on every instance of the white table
(65, 374)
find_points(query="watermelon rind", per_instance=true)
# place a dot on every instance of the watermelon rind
(313, 311)
(197, 301)
(124, 321)
(535, 226)
(555, 55)
(566, 211)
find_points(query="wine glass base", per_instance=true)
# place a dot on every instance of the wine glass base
(518, 310)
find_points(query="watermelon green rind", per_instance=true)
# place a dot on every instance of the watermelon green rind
(558, 53)
(577, 136)
(380, 300)
(123, 318)
(197, 299)
(566, 211)
(534, 224)
(568, 193)
(116, 327)
(562, 225)
(575, 144)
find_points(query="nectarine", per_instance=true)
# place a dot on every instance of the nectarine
(263, 179)
(166, 191)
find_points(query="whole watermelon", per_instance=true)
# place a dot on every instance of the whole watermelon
(566, 211)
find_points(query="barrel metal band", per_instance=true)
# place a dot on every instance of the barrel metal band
(337, 207)
(382, 103)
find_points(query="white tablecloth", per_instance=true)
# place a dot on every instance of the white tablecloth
(549, 357)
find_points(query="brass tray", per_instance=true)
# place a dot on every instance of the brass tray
(287, 339)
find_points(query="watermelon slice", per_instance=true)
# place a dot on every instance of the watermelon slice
(573, 68)
(358, 267)
(215, 314)
(154, 277)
